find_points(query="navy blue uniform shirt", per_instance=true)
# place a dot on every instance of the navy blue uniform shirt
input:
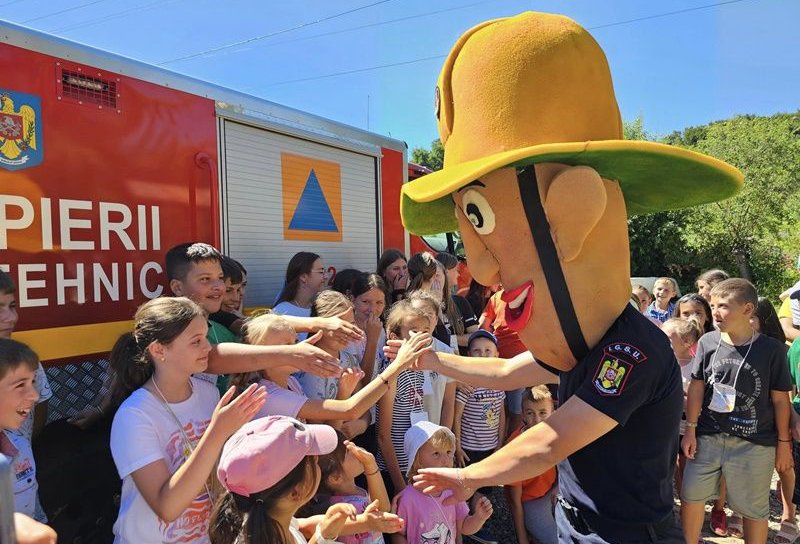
(632, 376)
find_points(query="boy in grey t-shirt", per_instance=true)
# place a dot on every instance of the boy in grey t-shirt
(737, 415)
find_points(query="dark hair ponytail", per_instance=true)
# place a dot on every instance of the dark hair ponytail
(158, 320)
(247, 520)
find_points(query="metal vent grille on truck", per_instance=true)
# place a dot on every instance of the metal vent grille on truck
(84, 89)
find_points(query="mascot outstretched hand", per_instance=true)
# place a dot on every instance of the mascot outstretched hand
(539, 182)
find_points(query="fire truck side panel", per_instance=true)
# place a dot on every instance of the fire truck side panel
(127, 171)
(283, 194)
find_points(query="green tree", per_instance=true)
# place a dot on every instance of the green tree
(433, 158)
(752, 231)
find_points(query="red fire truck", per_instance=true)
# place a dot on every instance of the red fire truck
(106, 162)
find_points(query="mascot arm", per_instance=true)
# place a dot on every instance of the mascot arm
(496, 373)
(571, 427)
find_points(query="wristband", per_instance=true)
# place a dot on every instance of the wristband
(691, 424)
(789, 440)
(321, 539)
(372, 473)
(384, 380)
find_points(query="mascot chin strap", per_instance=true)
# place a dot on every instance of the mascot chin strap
(551, 266)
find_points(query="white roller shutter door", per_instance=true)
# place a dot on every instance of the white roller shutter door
(253, 215)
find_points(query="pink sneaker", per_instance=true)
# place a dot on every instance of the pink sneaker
(719, 522)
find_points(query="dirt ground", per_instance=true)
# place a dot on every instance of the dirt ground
(502, 526)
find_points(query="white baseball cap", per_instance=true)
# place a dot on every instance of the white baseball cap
(417, 435)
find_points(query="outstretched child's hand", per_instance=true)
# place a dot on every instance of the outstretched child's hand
(483, 508)
(331, 525)
(412, 348)
(230, 415)
(364, 457)
(381, 522)
(348, 381)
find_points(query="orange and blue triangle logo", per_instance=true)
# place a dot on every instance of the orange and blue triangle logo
(313, 212)
(312, 199)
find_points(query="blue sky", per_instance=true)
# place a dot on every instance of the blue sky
(679, 70)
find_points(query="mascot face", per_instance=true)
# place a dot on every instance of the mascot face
(584, 216)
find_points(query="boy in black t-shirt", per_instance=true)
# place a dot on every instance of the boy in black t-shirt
(737, 415)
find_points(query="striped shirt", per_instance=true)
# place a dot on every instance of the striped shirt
(480, 422)
(408, 398)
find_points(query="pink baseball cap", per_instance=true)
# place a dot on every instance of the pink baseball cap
(265, 450)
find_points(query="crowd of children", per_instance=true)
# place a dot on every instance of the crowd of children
(293, 426)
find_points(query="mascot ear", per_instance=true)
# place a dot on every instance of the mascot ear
(575, 202)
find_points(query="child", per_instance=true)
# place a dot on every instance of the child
(339, 471)
(427, 517)
(269, 469)
(480, 421)
(664, 289)
(693, 306)
(285, 397)
(438, 391)
(305, 278)
(18, 397)
(368, 294)
(707, 280)
(683, 335)
(169, 431)
(194, 270)
(8, 322)
(532, 500)
(402, 405)
(737, 415)
(642, 296)
(36, 419)
(229, 314)
(480, 416)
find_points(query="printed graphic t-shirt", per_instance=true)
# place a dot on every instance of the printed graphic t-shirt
(143, 431)
(428, 520)
(360, 502)
(765, 369)
(23, 472)
(480, 422)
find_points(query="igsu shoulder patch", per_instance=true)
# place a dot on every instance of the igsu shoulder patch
(616, 364)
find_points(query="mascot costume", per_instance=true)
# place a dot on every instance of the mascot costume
(539, 182)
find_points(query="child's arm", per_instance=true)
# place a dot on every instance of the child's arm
(236, 358)
(473, 523)
(372, 520)
(461, 458)
(384, 427)
(375, 486)
(694, 403)
(169, 495)
(355, 406)
(517, 513)
(332, 524)
(783, 408)
(335, 326)
(448, 404)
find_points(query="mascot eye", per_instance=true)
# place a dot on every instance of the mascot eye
(478, 211)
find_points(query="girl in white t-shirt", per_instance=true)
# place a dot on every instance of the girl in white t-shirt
(169, 431)
(285, 397)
